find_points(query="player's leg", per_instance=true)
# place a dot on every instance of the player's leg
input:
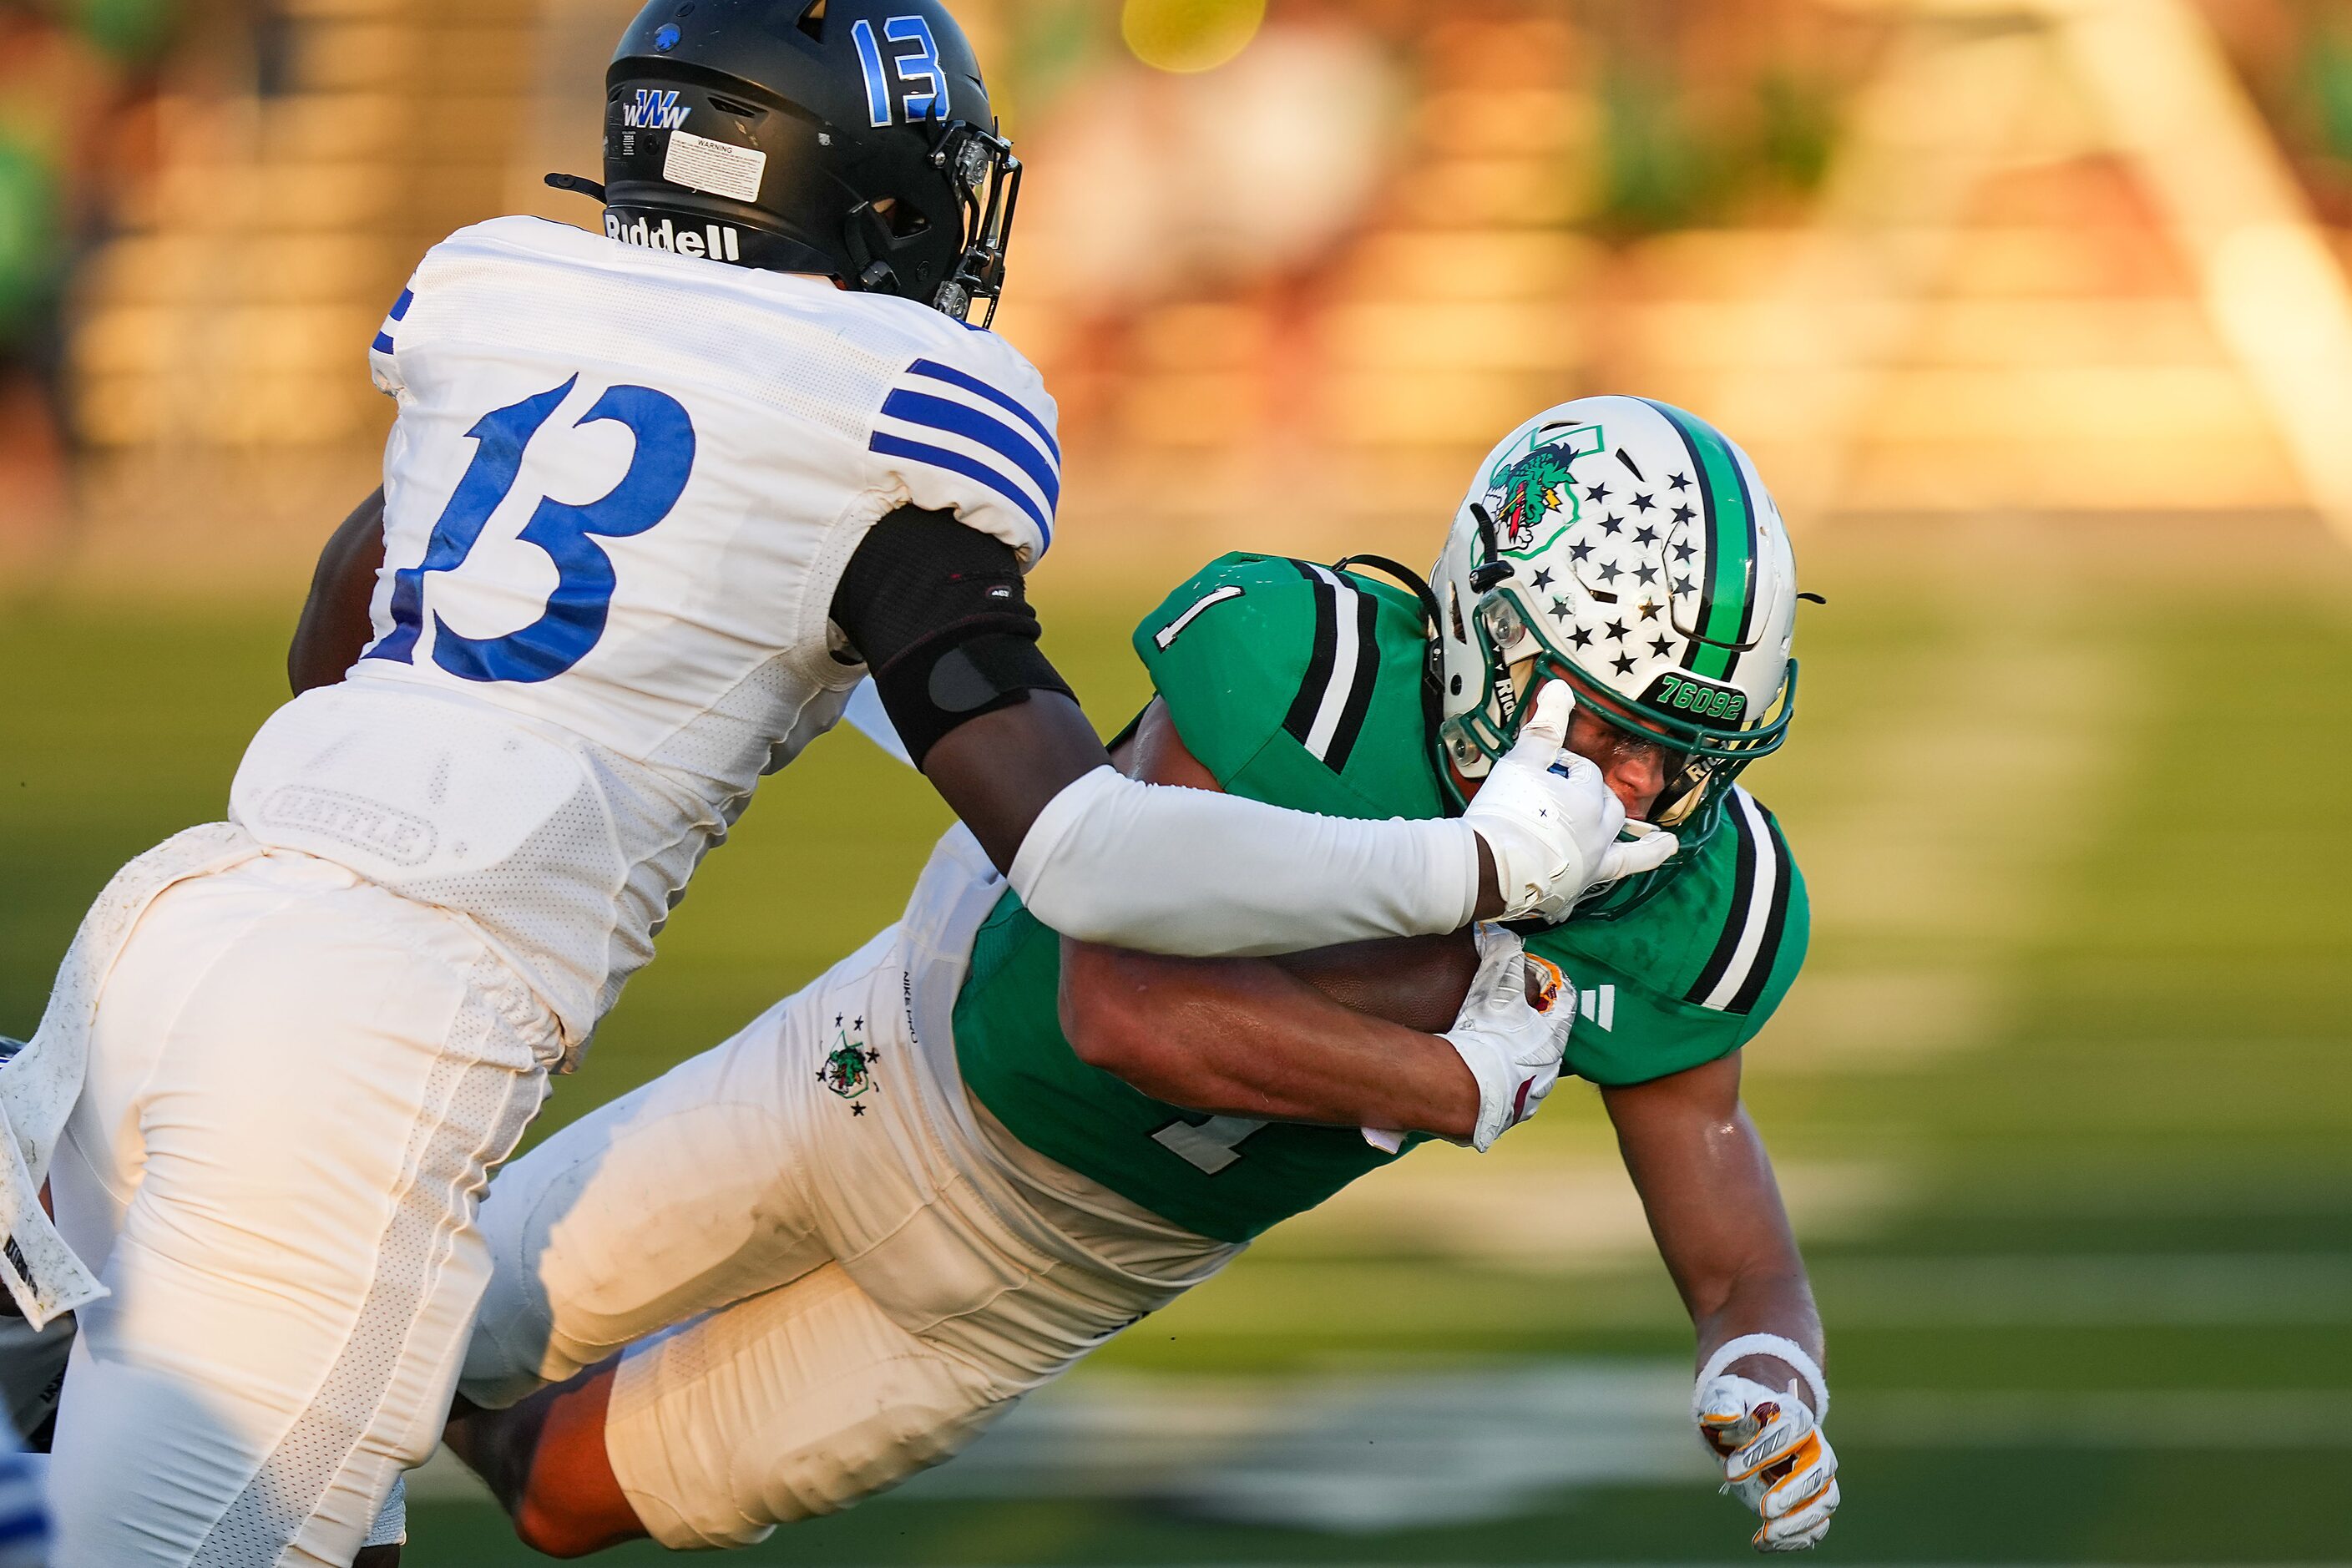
(803, 1400)
(680, 1196)
(723, 1186)
(544, 1458)
(297, 1084)
(796, 1403)
(944, 1297)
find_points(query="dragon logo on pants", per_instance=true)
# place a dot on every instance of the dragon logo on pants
(848, 1068)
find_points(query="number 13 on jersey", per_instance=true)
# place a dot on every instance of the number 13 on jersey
(573, 619)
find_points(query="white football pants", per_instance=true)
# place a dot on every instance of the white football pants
(889, 1285)
(298, 1083)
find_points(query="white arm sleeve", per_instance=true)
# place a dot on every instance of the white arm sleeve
(1160, 868)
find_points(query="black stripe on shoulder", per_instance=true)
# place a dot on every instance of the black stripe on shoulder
(1300, 720)
(1359, 690)
(1735, 919)
(1776, 923)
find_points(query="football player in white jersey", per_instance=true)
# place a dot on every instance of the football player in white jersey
(655, 500)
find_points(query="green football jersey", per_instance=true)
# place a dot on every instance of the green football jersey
(1301, 686)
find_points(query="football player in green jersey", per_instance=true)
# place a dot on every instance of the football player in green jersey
(827, 1253)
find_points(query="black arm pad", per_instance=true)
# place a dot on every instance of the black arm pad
(936, 611)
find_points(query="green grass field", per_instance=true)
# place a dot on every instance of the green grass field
(2062, 1103)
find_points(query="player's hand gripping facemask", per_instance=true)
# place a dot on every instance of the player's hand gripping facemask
(1551, 821)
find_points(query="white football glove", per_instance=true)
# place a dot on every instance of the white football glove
(1551, 821)
(1511, 1045)
(1775, 1459)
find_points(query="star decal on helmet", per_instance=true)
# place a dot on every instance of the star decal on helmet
(1578, 551)
(1642, 501)
(1580, 636)
(1645, 534)
(1610, 525)
(1684, 552)
(1610, 574)
(1599, 492)
(1649, 608)
(1645, 575)
(1661, 647)
(1683, 513)
(1622, 664)
(1543, 579)
(1560, 606)
(1679, 482)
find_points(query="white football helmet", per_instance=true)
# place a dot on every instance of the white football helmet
(1630, 549)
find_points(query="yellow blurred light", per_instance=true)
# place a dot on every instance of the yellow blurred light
(1189, 34)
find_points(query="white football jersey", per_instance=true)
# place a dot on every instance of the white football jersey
(621, 489)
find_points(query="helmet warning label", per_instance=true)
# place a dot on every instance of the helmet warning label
(720, 168)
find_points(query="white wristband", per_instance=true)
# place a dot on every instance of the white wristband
(1773, 1345)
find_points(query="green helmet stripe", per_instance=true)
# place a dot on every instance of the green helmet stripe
(1726, 598)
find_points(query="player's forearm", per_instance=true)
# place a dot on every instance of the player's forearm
(1416, 980)
(1778, 1304)
(1757, 1285)
(1163, 869)
(938, 612)
(1175, 865)
(1240, 1037)
(1715, 1209)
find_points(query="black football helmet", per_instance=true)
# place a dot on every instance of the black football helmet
(852, 138)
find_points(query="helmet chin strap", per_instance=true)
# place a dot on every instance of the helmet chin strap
(579, 184)
(1493, 568)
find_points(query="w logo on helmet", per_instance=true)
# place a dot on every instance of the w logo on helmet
(654, 111)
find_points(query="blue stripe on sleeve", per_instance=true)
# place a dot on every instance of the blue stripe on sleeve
(963, 419)
(970, 468)
(30, 1525)
(400, 306)
(955, 377)
(383, 343)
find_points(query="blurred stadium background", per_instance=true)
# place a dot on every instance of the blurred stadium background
(2033, 311)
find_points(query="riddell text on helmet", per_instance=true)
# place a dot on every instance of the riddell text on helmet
(717, 240)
